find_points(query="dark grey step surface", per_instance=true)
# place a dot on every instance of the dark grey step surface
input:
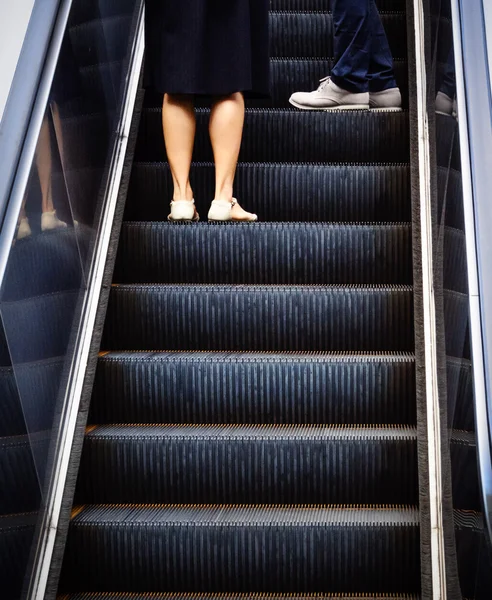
(284, 191)
(265, 253)
(324, 6)
(248, 464)
(211, 548)
(233, 596)
(19, 485)
(311, 34)
(241, 388)
(464, 464)
(102, 40)
(88, 10)
(27, 398)
(16, 537)
(259, 318)
(284, 135)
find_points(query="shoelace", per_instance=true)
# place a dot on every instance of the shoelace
(323, 83)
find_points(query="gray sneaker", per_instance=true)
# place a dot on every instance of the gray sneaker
(386, 100)
(330, 96)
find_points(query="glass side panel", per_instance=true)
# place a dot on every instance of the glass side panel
(451, 284)
(47, 272)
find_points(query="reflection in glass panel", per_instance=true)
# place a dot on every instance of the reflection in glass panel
(473, 556)
(41, 286)
(20, 494)
(50, 258)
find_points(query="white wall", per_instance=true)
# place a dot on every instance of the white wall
(14, 18)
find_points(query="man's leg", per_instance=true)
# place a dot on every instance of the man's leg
(381, 69)
(352, 28)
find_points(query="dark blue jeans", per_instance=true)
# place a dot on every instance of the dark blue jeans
(448, 84)
(364, 61)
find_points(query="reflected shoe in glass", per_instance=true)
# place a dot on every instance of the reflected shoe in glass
(49, 221)
(389, 99)
(183, 210)
(24, 229)
(445, 105)
(221, 210)
(330, 96)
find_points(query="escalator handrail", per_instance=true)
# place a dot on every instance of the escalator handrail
(24, 111)
(473, 78)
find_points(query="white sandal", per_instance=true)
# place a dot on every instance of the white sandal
(183, 210)
(221, 210)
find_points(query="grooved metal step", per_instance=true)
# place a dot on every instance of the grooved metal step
(284, 191)
(19, 485)
(16, 537)
(265, 253)
(238, 548)
(26, 398)
(101, 40)
(459, 379)
(203, 596)
(322, 5)
(50, 335)
(287, 136)
(310, 34)
(204, 387)
(30, 271)
(82, 12)
(251, 464)
(260, 318)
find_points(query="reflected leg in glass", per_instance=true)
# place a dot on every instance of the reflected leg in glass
(49, 218)
(446, 96)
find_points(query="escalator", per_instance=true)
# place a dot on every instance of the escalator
(253, 420)
(255, 423)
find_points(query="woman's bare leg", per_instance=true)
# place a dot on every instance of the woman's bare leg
(226, 131)
(179, 125)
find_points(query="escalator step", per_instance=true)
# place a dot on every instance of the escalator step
(473, 553)
(19, 486)
(260, 318)
(224, 464)
(464, 464)
(310, 34)
(455, 271)
(260, 253)
(289, 136)
(456, 313)
(16, 536)
(203, 596)
(88, 10)
(101, 84)
(459, 380)
(243, 548)
(450, 198)
(322, 5)
(30, 271)
(284, 192)
(45, 321)
(101, 40)
(27, 398)
(246, 388)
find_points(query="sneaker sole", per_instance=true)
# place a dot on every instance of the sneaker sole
(332, 108)
(194, 220)
(394, 109)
